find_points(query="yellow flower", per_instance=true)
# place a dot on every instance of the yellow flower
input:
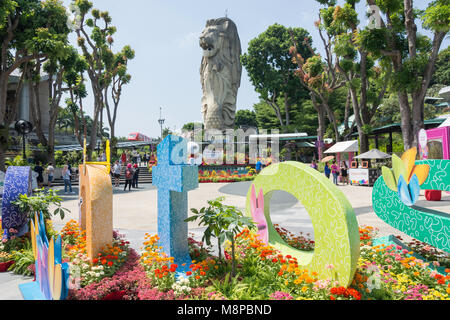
(304, 289)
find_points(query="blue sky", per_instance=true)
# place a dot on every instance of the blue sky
(164, 34)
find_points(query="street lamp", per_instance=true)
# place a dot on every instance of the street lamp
(161, 122)
(23, 128)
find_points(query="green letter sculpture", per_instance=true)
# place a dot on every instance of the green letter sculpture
(335, 226)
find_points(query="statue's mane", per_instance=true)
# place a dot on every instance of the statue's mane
(230, 52)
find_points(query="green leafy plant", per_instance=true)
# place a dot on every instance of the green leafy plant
(41, 202)
(22, 258)
(223, 223)
(16, 162)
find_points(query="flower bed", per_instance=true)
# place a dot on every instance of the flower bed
(225, 176)
(262, 273)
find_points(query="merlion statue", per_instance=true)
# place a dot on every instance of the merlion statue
(220, 72)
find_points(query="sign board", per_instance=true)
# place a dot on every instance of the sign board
(359, 176)
(423, 138)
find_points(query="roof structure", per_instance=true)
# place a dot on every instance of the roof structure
(346, 146)
(374, 154)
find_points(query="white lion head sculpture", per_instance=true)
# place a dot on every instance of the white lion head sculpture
(221, 72)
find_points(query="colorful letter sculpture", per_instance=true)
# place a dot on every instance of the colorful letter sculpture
(257, 207)
(17, 182)
(52, 276)
(335, 226)
(96, 196)
(429, 226)
(174, 178)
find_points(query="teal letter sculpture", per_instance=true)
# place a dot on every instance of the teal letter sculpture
(52, 276)
(174, 178)
(429, 226)
(335, 226)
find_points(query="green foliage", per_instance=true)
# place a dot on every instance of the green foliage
(245, 118)
(442, 74)
(437, 16)
(223, 223)
(41, 202)
(270, 67)
(22, 260)
(18, 161)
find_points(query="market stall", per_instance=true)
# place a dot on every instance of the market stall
(344, 151)
(361, 173)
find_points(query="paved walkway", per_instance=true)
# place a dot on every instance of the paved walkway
(135, 214)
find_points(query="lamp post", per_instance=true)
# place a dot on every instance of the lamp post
(161, 122)
(23, 128)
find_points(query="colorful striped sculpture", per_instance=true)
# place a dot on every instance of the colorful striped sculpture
(52, 276)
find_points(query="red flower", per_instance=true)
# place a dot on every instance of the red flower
(95, 261)
(188, 273)
(275, 260)
(110, 263)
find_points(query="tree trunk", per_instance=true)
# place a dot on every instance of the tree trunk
(321, 125)
(405, 111)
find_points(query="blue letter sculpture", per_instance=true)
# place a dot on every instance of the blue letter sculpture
(52, 276)
(17, 182)
(174, 178)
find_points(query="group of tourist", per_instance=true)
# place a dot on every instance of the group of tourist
(134, 157)
(50, 171)
(131, 175)
(335, 171)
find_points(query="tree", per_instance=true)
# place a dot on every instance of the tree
(95, 47)
(29, 30)
(166, 132)
(346, 63)
(442, 70)
(77, 92)
(246, 119)
(271, 69)
(412, 55)
(118, 77)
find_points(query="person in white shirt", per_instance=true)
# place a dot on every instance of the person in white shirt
(51, 174)
(117, 170)
(66, 174)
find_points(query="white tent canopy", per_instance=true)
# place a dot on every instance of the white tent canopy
(374, 154)
(446, 123)
(346, 146)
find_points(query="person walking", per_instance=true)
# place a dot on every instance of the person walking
(51, 173)
(258, 166)
(327, 171)
(314, 165)
(128, 177)
(335, 172)
(136, 177)
(117, 171)
(123, 158)
(344, 172)
(66, 174)
(40, 178)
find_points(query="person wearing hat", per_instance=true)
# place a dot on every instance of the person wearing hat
(136, 176)
(128, 177)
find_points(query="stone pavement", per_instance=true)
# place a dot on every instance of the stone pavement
(135, 214)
